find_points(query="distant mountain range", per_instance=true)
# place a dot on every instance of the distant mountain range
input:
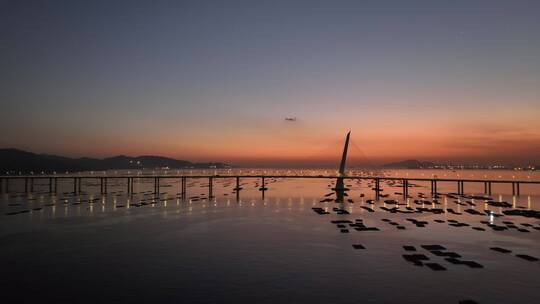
(410, 164)
(18, 160)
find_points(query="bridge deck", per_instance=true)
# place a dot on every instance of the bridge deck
(126, 176)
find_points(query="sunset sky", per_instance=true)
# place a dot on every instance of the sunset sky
(215, 80)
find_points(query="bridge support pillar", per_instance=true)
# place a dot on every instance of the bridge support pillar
(184, 187)
(377, 189)
(210, 184)
(237, 184)
(237, 189)
(263, 185)
(461, 187)
(31, 185)
(1, 185)
(515, 188)
(405, 188)
(25, 185)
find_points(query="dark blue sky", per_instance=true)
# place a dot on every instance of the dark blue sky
(215, 79)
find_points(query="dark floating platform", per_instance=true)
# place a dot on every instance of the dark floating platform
(433, 247)
(326, 200)
(419, 224)
(471, 264)
(446, 254)
(320, 211)
(527, 257)
(501, 250)
(409, 248)
(450, 210)
(499, 204)
(415, 257)
(435, 266)
(458, 224)
(524, 213)
(368, 209)
(468, 301)
(342, 211)
(358, 246)
(366, 228)
(498, 228)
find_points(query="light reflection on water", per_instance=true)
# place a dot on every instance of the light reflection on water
(269, 250)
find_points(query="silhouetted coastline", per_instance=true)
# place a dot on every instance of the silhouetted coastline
(14, 160)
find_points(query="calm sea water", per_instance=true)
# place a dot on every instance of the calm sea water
(93, 248)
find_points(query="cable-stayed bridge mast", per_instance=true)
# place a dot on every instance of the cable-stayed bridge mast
(340, 187)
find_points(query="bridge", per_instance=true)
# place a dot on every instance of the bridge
(76, 181)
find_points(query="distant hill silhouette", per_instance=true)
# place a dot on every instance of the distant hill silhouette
(18, 160)
(410, 164)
